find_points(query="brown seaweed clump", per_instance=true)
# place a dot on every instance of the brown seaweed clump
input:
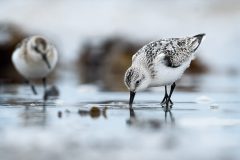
(111, 57)
(10, 36)
(197, 67)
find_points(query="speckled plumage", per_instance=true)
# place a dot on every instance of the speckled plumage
(175, 51)
(162, 62)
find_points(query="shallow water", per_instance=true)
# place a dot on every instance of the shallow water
(203, 124)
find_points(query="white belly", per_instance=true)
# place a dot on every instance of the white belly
(31, 70)
(167, 75)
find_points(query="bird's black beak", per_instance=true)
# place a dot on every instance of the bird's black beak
(132, 95)
(44, 56)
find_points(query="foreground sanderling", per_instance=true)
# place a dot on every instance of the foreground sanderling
(161, 63)
(34, 58)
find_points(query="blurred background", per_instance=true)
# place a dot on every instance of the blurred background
(96, 39)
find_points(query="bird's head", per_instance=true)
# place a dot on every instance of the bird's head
(136, 79)
(40, 47)
(40, 44)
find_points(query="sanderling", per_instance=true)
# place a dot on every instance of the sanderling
(161, 63)
(34, 58)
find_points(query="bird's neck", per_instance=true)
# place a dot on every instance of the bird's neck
(31, 54)
(144, 70)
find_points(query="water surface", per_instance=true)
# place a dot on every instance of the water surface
(84, 123)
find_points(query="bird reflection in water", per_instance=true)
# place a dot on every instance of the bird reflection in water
(172, 119)
(150, 123)
(35, 112)
(34, 115)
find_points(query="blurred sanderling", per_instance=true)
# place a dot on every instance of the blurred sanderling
(161, 63)
(34, 58)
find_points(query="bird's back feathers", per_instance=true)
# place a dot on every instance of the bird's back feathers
(173, 51)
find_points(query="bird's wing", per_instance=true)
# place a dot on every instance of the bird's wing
(174, 52)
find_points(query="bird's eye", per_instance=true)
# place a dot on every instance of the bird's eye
(137, 82)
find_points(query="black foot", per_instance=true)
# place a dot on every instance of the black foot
(164, 102)
(166, 98)
(168, 103)
(51, 92)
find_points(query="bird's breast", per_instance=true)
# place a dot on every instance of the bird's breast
(164, 75)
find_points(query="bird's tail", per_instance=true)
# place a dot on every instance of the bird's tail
(195, 41)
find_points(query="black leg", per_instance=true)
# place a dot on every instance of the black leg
(44, 81)
(45, 96)
(32, 86)
(165, 96)
(164, 101)
(169, 97)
